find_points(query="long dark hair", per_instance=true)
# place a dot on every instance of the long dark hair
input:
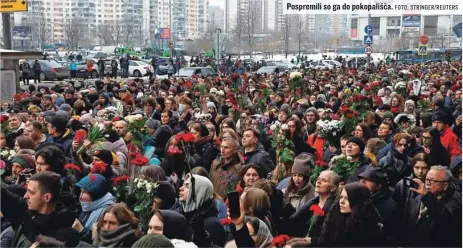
(339, 227)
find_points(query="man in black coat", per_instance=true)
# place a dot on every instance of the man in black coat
(434, 216)
(40, 212)
(376, 181)
(254, 151)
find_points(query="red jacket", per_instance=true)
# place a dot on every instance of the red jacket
(318, 145)
(450, 141)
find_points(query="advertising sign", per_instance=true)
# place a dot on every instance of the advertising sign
(22, 33)
(411, 21)
(13, 6)
(165, 33)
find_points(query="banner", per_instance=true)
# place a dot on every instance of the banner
(411, 21)
(165, 33)
(457, 30)
(22, 33)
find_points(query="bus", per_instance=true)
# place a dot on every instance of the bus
(434, 54)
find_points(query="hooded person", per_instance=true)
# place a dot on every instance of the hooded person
(196, 196)
(166, 198)
(153, 241)
(161, 137)
(256, 234)
(94, 199)
(174, 224)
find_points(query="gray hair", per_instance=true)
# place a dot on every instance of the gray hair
(445, 170)
(234, 142)
(335, 179)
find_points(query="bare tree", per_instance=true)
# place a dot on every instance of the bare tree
(40, 29)
(286, 34)
(300, 28)
(250, 24)
(105, 34)
(237, 34)
(442, 38)
(117, 34)
(127, 29)
(74, 32)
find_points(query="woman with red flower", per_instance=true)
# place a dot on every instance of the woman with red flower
(308, 220)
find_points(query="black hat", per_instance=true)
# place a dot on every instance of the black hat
(374, 174)
(59, 122)
(69, 91)
(105, 156)
(385, 107)
(204, 130)
(358, 141)
(442, 116)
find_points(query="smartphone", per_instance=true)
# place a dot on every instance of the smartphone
(410, 183)
(234, 204)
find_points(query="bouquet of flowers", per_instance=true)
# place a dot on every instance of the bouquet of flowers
(8, 154)
(95, 134)
(111, 112)
(330, 130)
(261, 104)
(4, 124)
(343, 166)
(295, 84)
(135, 127)
(353, 110)
(144, 192)
(182, 143)
(282, 144)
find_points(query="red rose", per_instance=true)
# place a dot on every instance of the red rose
(344, 108)
(356, 113)
(80, 135)
(138, 159)
(234, 76)
(270, 132)
(263, 86)
(218, 141)
(367, 88)
(361, 97)
(186, 137)
(317, 210)
(188, 84)
(3, 118)
(99, 167)
(119, 179)
(280, 240)
(349, 116)
(72, 167)
(225, 221)
(116, 118)
(173, 150)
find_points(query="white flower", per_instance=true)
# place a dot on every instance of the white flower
(284, 127)
(138, 117)
(139, 185)
(148, 191)
(148, 187)
(334, 133)
(294, 75)
(12, 153)
(349, 158)
(4, 153)
(221, 93)
(273, 127)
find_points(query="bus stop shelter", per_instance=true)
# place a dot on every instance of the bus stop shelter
(9, 68)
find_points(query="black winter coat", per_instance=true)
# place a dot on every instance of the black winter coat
(206, 152)
(260, 157)
(440, 225)
(388, 211)
(396, 165)
(28, 224)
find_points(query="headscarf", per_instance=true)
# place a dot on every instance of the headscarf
(201, 190)
(264, 236)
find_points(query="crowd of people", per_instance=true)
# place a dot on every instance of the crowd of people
(319, 158)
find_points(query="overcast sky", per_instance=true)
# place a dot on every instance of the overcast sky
(220, 3)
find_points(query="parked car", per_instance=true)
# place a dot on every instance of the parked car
(82, 69)
(271, 69)
(51, 70)
(139, 68)
(198, 71)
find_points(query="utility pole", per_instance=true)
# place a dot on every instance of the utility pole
(217, 49)
(7, 42)
(369, 23)
(170, 29)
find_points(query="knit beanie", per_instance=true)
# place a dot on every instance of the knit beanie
(105, 156)
(153, 124)
(286, 108)
(26, 161)
(303, 163)
(442, 116)
(358, 141)
(388, 114)
(210, 105)
(153, 241)
(95, 184)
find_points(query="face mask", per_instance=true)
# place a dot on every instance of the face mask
(181, 108)
(86, 206)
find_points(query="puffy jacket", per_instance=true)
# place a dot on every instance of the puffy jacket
(450, 141)
(260, 157)
(65, 140)
(396, 165)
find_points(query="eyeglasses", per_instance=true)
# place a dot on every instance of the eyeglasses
(432, 181)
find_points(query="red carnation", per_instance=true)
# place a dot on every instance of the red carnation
(138, 159)
(99, 167)
(80, 135)
(3, 118)
(225, 221)
(186, 137)
(173, 150)
(317, 210)
(72, 167)
(120, 179)
(280, 240)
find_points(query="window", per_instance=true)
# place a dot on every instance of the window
(375, 24)
(393, 21)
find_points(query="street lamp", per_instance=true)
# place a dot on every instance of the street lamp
(217, 50)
